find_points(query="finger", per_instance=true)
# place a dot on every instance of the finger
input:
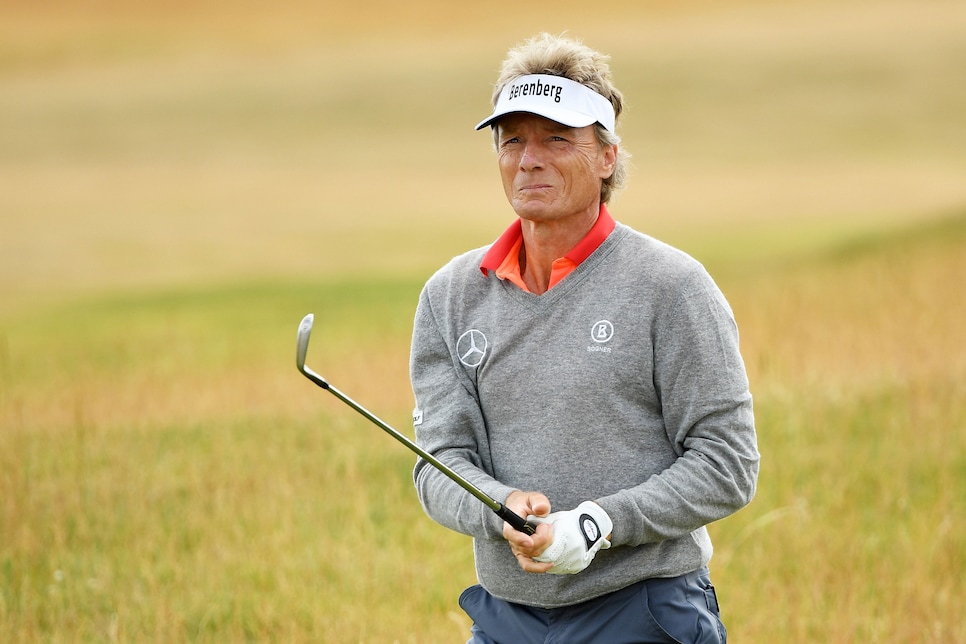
(539, 505)
(527, 503)
(531, 546)
(535, 567)
(529, 565)
(518, 540)
(542, 539)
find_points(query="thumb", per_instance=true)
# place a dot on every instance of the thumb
(540, 505)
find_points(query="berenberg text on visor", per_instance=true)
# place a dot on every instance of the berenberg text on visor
(534, 89)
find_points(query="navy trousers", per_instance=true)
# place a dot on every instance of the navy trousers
(681, 610)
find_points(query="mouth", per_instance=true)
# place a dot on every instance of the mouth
(537, 187)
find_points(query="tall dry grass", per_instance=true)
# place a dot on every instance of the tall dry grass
(857, 530)
(167, 475)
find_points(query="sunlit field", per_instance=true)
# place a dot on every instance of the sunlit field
(179, 187)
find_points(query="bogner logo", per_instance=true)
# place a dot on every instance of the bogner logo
(601, 333)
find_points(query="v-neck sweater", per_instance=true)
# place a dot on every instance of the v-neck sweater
(623, 384)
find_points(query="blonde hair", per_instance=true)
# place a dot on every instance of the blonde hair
(562, 56)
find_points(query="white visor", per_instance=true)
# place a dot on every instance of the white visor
(556, 98)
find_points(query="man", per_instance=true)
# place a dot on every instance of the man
(588, 376)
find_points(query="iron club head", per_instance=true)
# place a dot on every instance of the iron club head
(302, 345)
(301, 349)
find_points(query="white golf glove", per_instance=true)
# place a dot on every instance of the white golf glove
(577, 536)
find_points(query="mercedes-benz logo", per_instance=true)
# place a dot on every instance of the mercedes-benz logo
(471, 348)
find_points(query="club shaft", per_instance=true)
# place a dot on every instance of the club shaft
(501, 510)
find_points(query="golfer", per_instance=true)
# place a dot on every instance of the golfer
(588, 376)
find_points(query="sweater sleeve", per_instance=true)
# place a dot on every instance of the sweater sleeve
(707, 410)
(450, 426)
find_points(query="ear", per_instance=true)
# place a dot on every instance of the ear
(608, 160)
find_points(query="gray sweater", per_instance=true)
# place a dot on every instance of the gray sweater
(623, 384)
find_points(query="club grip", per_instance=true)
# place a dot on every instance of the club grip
(515, 520)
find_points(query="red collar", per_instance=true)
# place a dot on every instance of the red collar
(603, 227)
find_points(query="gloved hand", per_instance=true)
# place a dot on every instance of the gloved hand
(577, 536)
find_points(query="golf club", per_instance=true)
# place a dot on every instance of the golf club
(515, 520)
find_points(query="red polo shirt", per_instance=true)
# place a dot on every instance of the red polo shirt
(503, 258)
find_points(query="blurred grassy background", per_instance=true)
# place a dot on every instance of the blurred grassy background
(181, 182)
(152, 144)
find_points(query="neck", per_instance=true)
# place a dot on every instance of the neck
(546, 241)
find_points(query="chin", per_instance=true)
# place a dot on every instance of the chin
(535, 210)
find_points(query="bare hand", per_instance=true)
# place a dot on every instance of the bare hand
(525, 547)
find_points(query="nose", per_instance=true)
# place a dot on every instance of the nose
(532, 157)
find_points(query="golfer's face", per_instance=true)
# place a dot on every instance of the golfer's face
(551, 171)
